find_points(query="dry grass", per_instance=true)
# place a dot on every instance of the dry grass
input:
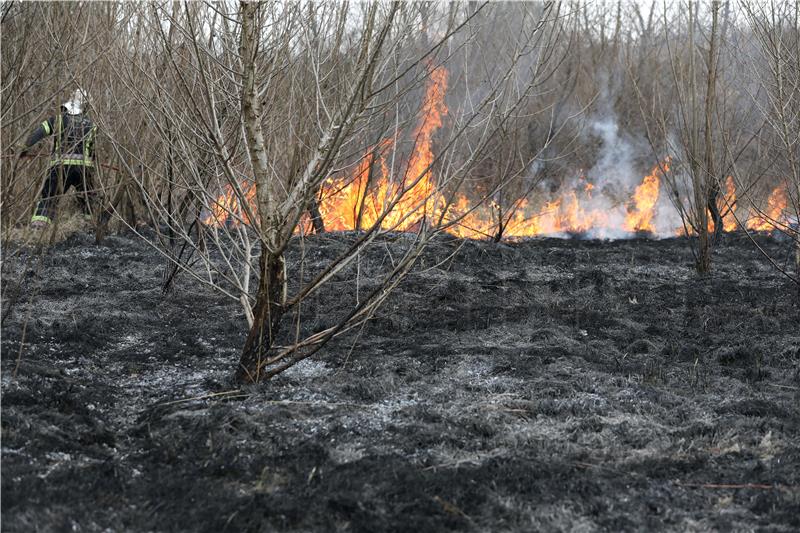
(68, 221)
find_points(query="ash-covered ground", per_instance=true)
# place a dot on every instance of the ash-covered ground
(540, 386)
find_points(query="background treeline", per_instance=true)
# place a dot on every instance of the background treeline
(624, 64)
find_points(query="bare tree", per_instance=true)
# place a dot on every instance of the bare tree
(686, 124)
(236, 130)
(256, 109)
(776, 63)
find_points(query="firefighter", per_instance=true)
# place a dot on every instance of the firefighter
(72, 161)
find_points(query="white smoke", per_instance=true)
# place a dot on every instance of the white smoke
(615, 165)
(620, 166)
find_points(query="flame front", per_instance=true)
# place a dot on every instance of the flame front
(640, 217)
(770, 217)
(399, 198)
(727, 206)
(227, 209)
(360, 200)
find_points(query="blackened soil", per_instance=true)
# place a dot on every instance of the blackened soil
(546, 385)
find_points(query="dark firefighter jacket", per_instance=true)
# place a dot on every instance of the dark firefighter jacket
(74, 139)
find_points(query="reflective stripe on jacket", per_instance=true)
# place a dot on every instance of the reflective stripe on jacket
(82, 137)
(74, 139)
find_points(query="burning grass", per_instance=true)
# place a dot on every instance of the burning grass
(400, 198)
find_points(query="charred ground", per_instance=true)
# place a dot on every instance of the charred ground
(545, 385)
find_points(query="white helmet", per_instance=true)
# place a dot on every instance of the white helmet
(76, 104)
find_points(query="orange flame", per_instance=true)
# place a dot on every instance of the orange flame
(725, 206)
(374, 192)
(640, 217)
(772, 215)
(566, 213)
(227, 208)
(728, 204)
(344, 204)
(360, 200)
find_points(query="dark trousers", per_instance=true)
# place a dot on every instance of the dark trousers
(76, 176)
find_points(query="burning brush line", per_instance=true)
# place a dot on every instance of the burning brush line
(359, 201)
(373, 193)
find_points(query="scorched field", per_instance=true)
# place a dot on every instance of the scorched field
(535, 386)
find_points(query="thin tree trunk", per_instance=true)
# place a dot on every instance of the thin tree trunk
(270, 297)
(267, 313)
(706, 180)
(712, 183)
(362, 192)
(713, 208)
(316, 216)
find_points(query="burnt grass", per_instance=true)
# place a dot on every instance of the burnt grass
(535, 386)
